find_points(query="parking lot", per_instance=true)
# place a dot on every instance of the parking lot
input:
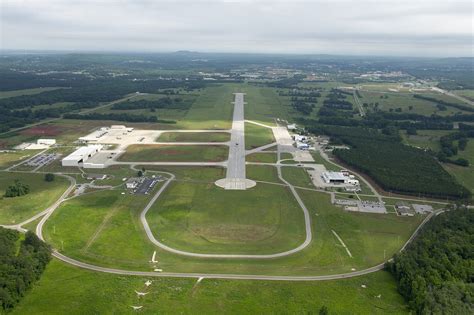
(146, 184)
(42, 159)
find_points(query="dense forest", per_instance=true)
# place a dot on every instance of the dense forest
(436, 271)
(21, 264)
(394, 166)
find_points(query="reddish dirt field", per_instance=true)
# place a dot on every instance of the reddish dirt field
(42, 131)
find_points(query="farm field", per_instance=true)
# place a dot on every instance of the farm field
(175, 153)
(256, 136)
(66, 289)
(42, 194)
(194, 137)
(264, 219)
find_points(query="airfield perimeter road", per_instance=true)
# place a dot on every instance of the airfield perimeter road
(87, 266)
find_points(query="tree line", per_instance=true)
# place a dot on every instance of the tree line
(20, 267)
(394, 166)
(435, 273)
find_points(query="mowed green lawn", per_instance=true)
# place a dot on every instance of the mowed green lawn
(174, 153)
(194, 137)
(212, 109)
(264, 104)
(42, 195)
(89, 227)
(183, 212)
(266, 173)
(262, 157)
(13, 157)
(64, 289)
(297, 176)
(205, 218)
(256, 136)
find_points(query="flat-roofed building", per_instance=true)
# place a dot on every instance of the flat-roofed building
(46, 141)
(81, 155)
(334, 177)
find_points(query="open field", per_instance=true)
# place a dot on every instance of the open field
(6, 94)
(405, 100)
(465, 175)
(262, 157)
(266, 173)
(10, 158)
(175, 153)
(469, 94)
(123, 232)
(256, 136)
(212, 109)
(65, 289)
(297, 176)
(428, 139)
(190, 173)
(194, 137)
(264, 219)
(42, 194)
(265, 105)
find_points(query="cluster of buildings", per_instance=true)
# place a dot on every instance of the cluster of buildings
(40, 144)
(405, 209)
(99, 134)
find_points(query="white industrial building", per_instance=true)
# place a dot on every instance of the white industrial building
(81, 155)
(334, 177)
(302, 146)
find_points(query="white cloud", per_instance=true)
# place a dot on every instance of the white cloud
(390, 27)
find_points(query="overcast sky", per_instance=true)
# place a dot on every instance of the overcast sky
(357, 27)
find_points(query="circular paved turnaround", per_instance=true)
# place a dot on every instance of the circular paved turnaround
(235, 183)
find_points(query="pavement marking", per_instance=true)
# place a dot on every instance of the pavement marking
(342, 243)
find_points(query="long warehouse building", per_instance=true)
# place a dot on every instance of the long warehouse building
(81, 155)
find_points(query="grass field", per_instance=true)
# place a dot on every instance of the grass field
(212, 109)
(264, 219)
(194, 137)
(66, 289)
(469, 94)
(42, 195)
(122, 232)
(189, 173)
(7, 94)
(265, 105)
(428, 139)
(256, 136)
(405, 100)
(174, 153)
(262, 157)
(465, 175)
(10, 158)
(297, 176)
(266, 173)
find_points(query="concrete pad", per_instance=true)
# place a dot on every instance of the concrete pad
(302, 156)
(235, 183)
